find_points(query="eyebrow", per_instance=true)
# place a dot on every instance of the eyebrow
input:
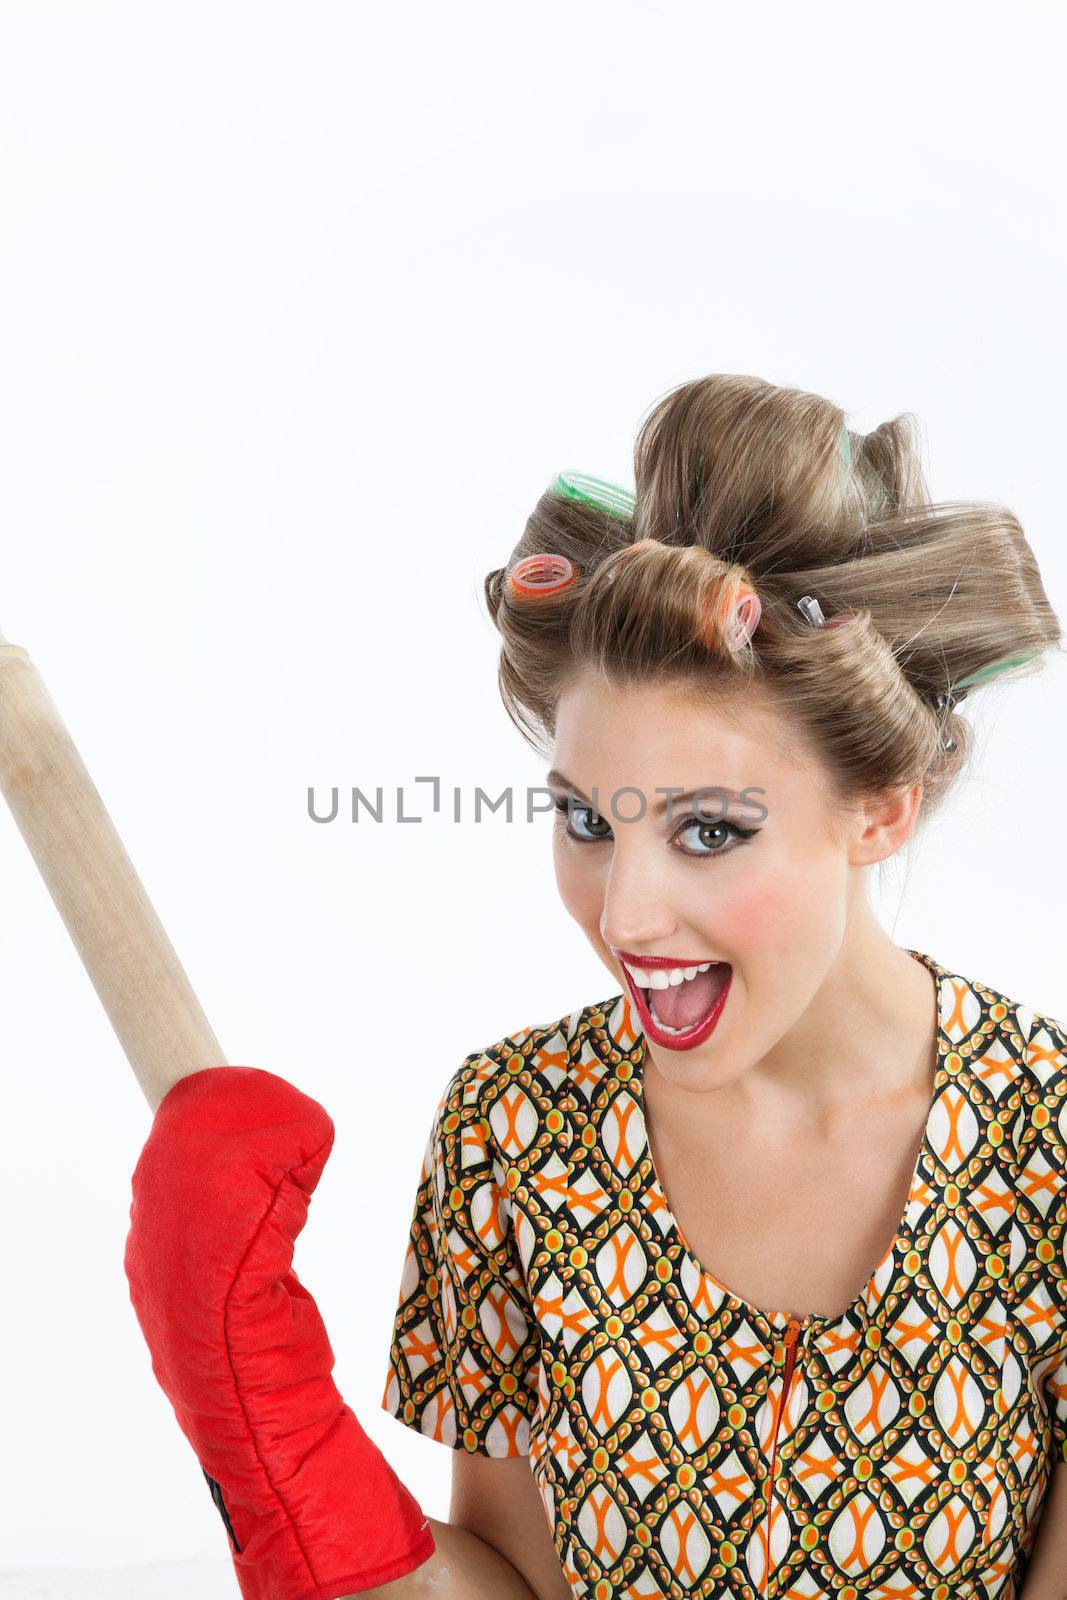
(660, 806)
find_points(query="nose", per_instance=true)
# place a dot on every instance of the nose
(635, 914)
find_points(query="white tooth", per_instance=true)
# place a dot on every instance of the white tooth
(665, 977)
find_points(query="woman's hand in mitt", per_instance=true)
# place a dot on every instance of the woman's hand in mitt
(312, 1509)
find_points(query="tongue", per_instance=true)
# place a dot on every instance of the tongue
(687, 1003)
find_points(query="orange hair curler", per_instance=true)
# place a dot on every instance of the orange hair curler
(539, 576)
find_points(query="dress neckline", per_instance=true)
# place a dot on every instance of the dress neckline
(772, 1322)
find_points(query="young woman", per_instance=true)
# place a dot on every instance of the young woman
(748, 1278)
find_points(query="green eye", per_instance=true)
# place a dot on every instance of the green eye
(608, 497)
(562, 806)
(703, 827)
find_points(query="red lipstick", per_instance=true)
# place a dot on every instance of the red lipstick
(672, 1041)
(662, 961)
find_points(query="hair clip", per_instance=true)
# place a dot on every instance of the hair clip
(609, 497)
(537, 576)
(814, 613)
(812, 610)
(947, 702)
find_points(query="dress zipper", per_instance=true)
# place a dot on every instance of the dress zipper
(792, 1334)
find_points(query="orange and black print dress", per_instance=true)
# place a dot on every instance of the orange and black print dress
(685, 1442)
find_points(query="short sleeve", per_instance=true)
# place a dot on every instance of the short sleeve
(1047, 1174)
(464, 1357)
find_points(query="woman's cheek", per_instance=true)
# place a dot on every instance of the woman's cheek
(752, 916)
(790, 908)
(577, 887)
(761, 917)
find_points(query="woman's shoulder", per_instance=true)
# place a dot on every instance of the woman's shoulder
(536, 1061)
(1040, 1037)
(983, 1019)
(1018, 1059)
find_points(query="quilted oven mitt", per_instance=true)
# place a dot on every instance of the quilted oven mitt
(221, 1189)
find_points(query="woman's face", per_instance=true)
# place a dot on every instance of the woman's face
(765, 883)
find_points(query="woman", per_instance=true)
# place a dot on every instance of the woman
(759, 1259)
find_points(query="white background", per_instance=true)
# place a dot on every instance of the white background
(302, 306)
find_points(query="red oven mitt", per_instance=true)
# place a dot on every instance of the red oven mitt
(220, 1192)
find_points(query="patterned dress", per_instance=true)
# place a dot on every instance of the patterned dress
(684, 1441)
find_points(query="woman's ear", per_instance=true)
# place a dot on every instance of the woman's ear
(886, 822)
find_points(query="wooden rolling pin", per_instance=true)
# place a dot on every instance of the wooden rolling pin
(122, 944)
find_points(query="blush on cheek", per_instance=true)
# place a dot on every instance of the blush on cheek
(786, 916)
(759, 918)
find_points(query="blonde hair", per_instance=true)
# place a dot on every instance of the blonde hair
(743, 484)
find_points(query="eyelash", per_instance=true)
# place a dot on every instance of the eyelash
(742, 835)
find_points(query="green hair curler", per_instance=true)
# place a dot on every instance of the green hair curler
(609, 497)
(948, 698)
(846, 446)
(997, 666)
(844, 451)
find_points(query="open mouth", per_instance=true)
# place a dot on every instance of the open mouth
(679, 1004)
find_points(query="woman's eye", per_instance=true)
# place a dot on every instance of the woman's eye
(709, 837)
(584, 811)
(712, 834)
